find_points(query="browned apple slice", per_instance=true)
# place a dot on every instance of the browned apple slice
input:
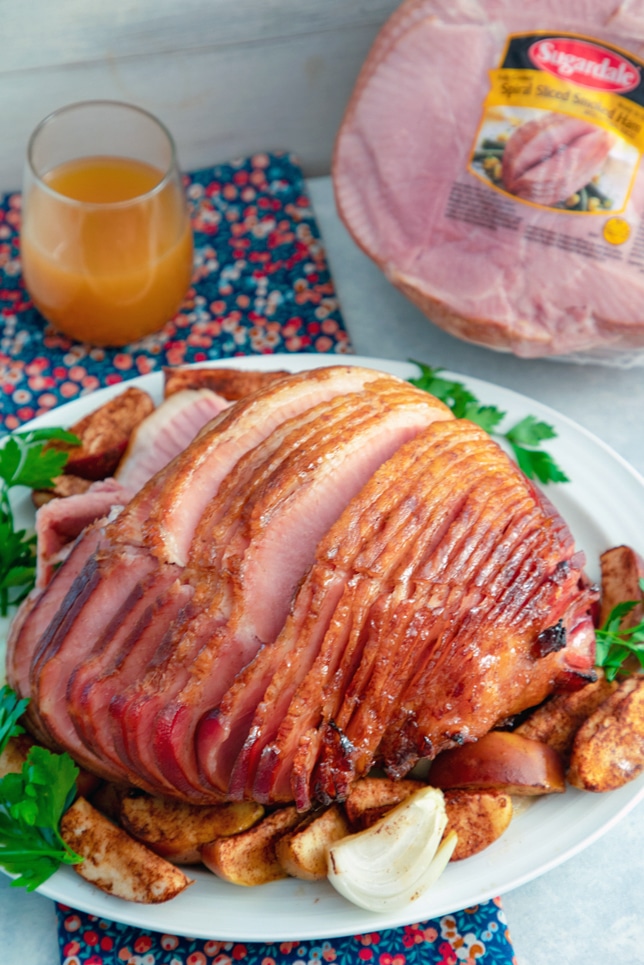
(608, 751)
(372, 797)
(104, 435)
(302, 852)
(249, 858)
(115, 862)
(63, 486)
(477, 817)
(177, 830)
(557, 721)
(500, 761)
(15, 754)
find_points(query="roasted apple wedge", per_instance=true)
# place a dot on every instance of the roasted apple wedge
(104, 435)
(115, 862)
(250, 858)
(501, 761)
(64, 486)
(177, 830)
(303, 852)
(479, 818)
(372, 797)
(608, 750)
(557, 721)
(14, 754)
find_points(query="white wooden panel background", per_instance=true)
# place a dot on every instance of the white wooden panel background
(228, 77)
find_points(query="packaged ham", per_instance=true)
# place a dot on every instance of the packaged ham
(489, 161)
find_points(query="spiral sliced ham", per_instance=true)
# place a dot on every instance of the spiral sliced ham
(335, 572)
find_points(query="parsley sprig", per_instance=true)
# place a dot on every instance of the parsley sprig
(32, 804)
(26, 459)
(524, 437)
(615, 644)
(11, 710)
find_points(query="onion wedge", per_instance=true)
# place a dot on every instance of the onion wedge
(397, 859)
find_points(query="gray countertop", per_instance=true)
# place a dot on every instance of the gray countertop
(587, 911)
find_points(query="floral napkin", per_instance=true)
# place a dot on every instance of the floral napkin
(261, 285)
(476, 936)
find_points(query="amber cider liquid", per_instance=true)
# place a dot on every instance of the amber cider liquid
(106, 248)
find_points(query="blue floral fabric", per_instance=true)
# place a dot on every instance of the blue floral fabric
(261, 284)
(475, 936)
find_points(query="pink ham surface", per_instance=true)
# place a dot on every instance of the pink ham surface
(154, 443)
(165, 432)
(166, 512)
(60, 521)
(404, 148)
(548, 159)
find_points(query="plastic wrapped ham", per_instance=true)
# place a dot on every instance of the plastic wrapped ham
(489, 161)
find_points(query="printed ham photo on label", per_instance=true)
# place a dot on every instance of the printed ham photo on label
(555, 160)
(490, 162)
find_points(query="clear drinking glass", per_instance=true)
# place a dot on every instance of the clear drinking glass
(106, 239)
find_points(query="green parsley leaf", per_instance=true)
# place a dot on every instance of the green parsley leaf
(39, 467)
(31, 806)
(11, 709)
(538, 465)
(530, 432)
(453, 394)
(488, 417)
(524, 437)
(616, 644)
(26, 459)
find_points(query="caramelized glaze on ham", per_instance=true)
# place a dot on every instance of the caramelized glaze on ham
(335, 572)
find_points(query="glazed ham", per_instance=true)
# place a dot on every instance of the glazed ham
(334, 573)
(510, 249)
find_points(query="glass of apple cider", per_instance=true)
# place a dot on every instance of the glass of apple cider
(106, 240)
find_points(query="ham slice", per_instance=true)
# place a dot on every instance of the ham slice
(166, 512)
(165, 433)
(60, 521)
(502, 262)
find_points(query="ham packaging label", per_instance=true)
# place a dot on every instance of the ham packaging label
(563, 127)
